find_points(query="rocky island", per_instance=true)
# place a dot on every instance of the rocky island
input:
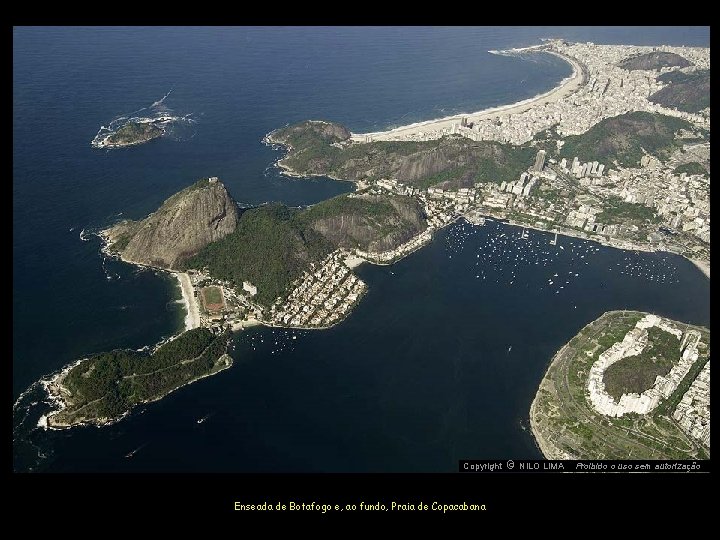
(130, 134)
(629, 385)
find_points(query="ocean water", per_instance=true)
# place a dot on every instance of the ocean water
(441, 359)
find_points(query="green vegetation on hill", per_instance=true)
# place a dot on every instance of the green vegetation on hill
(134, 132)
(270, 248)
(689, 92)
(690, 168)
(623, 139)
(121, 243)
(615, 210)
(654, 60)
(449, 162)
(344, 205)
(374, 223)
(273, 244)
(109, 384)
(635, 374)
(680, 76)
(547, 140)
(446, 179)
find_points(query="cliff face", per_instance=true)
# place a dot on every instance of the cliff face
(184, 224)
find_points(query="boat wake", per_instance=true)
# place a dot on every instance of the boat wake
(178, 127)
(133, 452)
(201, 420)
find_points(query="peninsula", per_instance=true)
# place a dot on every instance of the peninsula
(271, 264)
(629, 385)
(103, 388)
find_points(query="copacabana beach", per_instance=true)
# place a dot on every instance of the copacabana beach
(566, 87)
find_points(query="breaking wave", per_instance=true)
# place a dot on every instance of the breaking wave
(175, 126)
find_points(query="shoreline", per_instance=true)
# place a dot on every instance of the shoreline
(47, 424)
(52, 385)
(703, 266)
(624, 245)
(192, 310)
(549, 450)
(566, 87)
(286, 170)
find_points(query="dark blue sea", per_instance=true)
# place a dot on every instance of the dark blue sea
(442, 358)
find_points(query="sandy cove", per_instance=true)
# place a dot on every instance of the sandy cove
(192, 309)
(192, 318)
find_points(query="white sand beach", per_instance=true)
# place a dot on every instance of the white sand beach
(192, 319)
(566, 87)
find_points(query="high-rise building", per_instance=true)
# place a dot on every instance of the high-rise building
(540, 160)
